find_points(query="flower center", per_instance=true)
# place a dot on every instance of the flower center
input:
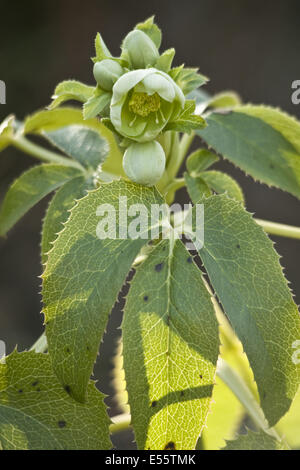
(143, 104)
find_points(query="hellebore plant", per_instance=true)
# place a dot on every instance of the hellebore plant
(237, 327)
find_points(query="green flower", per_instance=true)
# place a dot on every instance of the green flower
(140, 50)
(144, 163)
(106, 73)
(143, 103)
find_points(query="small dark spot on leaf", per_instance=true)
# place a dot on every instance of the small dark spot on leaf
(153, 404)
(68, 350)
(264, 395)
(170, 446)
(87, 348)
(201, 376)
(272, 167)
(159, 267)
(238, 246)
(67, 389)
(189, 260)
(20, 391)
(38, 389)
(34, 384)
(182, 393)
(62, 424)
(146, 298)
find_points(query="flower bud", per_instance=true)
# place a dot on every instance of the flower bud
(144, 163)
(106, 73)
(141, 50)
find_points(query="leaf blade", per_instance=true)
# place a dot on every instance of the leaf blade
(245, 272)
(28, 419)
(81, 281)
(29, 189)
(170, 349)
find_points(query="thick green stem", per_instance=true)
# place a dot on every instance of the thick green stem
(42, 154)
(281, 230)
(185, 144)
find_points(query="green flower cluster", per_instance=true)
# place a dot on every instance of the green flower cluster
(139, 96)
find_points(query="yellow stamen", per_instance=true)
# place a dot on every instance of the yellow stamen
(143, 104)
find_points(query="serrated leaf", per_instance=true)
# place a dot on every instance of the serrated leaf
(96, 104)
(37, 414)
(170, 340)
(261, 141)
(200, 160)
(187, 124)
(59, 211)
(246, 275)
(222, 183)
(102, 51)
(49, 121)
(152, 30)
(164, 62)
(81, 143)
(71, 90)
(29, 189)
(197, 187)
(188, 79)
(255, 441)
(225, 99)
(81, 281)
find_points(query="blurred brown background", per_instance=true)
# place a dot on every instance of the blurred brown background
(252, 47)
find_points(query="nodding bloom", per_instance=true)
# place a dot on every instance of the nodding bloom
(106, 73)
(143, 102)
(144, 163)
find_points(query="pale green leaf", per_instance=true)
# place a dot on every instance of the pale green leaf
(200, 160)
(222, 183)
(255, 441)
(37, 414)
(152, 30)
(188, 79)
(246, 275)
(187, 124)
(164, 62)
(262, 141)
(71, 90)
(102, 51)
(197, 187)
(82, 278)
(96, 104)
(225, 99)
(170, 340)
(59, 211)
(29, 189)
